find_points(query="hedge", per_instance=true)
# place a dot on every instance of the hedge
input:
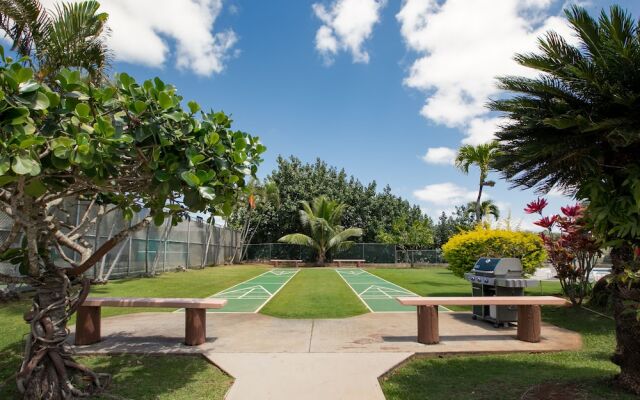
(464, 249)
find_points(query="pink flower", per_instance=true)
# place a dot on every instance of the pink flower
(573, 211)
(547, 222)
(536, 206)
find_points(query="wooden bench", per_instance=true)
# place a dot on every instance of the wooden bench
(529, 317)
(88, 321)
(357, 262)
(294, 262)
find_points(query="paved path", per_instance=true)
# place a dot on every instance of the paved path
(273, 358)
(379, 295)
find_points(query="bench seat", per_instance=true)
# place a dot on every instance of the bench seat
(529, 315)
(294, 262)
(356, 261)
(88, 324)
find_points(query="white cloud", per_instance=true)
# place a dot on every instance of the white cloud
(440, 155)
(462, 46)
(445, 194)
(144, 31)
(346, 26)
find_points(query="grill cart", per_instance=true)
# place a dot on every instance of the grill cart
(497, 277)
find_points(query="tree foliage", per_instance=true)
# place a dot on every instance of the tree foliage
(481, 156)
(121, 146)
(364, 206)
(575, 127)
(417, 235)
(321, 220)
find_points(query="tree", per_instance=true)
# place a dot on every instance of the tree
(480, 156)
(573, 252)
(462, 219)
(487, 207)
(73, 36)
(321, 219)
(418, 235)
(117, 147)
(575, 127)
(255, 194)
(366, 207)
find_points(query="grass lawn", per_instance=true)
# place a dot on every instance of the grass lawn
(438, 281)
(186, 377)
(315, 293)
(505, 376)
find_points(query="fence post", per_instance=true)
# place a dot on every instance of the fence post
(186, 263)
(164, 252)
(270, 256)
(130, 250)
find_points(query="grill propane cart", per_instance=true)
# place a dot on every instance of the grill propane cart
(498, 277)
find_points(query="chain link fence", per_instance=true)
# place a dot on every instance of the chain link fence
(190, 244)
(372, 253)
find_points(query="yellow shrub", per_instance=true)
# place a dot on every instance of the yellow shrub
(464, 249)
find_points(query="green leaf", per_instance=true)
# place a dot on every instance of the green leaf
(162, 176)
(165, 100)
(212, 138)
(35, 188)
(207, 193)
(190, 178)
(140, 106)
(28, 87)
(5, 163)
(24, 75)
(193, 106)
(158, 219)
(83, 110)
(23, 164)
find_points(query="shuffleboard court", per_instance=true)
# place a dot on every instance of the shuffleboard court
(379, 295)
(251, 295)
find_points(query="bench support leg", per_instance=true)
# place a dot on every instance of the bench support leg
(195, 326)
(529, 321)
(428, 325)
(87, 325)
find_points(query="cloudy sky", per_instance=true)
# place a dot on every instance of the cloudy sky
(387, 89)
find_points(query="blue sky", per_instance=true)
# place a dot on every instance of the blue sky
(366, 85)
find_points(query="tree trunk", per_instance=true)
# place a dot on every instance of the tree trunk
(48, 370)
(625, 302)
(478, 204)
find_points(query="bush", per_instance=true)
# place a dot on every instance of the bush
(464, 249)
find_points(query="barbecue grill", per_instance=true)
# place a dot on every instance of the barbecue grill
(497, 277)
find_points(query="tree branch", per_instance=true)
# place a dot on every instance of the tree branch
(107, 246)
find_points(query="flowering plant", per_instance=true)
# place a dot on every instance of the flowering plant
(572, 251)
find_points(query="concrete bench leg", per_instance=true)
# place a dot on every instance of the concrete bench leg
(195, 326)
(529, 321)
(428, 325)
(87, 325)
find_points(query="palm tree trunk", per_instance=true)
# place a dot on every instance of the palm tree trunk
(478, 205)
(627, 354)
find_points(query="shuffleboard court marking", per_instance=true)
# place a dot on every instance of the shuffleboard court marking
(251, 295)
(377, 294)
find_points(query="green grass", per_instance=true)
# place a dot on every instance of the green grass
(193, 283)
(315, 293)
(438, 281)
(504, 376)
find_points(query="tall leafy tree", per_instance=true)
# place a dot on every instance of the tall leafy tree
(72, 35)
(417, 235)
(119, 146)
(321, 220)
(366, 207)
(480, 156)
(576, 126)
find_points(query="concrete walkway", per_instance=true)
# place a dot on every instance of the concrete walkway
(273, 358)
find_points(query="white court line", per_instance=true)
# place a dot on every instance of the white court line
(179, 310)
(276, 292)
(376, 276)
(354, 291)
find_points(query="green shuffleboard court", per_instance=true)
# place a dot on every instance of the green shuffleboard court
(251, 295)
(379, 295)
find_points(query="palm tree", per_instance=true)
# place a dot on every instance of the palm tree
(72, 36)
(487, 207)
(322, 220)
(575, 126)
(481, 156)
